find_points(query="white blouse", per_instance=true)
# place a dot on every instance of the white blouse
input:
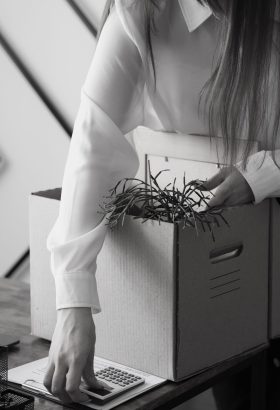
(116, 97)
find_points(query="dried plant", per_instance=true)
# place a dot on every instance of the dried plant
(147, 200)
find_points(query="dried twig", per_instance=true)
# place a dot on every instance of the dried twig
(166, 204)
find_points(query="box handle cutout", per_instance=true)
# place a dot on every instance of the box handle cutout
(225, 253)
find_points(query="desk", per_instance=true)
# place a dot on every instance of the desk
(15, 320)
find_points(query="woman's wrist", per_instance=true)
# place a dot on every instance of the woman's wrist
(75, 311)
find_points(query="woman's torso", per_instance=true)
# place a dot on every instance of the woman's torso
(183, 62)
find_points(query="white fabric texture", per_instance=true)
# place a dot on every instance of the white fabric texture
(116, 97)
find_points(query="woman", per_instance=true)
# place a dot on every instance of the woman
(184, 66)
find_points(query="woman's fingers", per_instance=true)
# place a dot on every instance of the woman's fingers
(58, 383)
(73, 381)
(233, 190)
(215, 180)
(55, 382)
(47, 382)
(220, 197)
(88, 373)
(89, 376)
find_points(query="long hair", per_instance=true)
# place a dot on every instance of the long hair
(242, 96)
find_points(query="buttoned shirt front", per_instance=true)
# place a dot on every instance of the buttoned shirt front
(117, 96)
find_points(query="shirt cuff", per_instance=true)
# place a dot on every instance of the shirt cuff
(73, 265)
(262, 174)
(77, 289)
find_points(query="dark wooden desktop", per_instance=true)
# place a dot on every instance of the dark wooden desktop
(15, 320)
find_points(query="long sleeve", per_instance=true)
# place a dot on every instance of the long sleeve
(262, 174)
(99, 156)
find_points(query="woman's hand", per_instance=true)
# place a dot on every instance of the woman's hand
(232, 188)
(71, 355)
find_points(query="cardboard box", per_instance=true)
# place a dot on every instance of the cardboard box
(173, 303)
(274, 283)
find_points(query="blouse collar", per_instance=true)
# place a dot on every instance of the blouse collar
(194, 13)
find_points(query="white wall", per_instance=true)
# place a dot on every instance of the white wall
(57, 49)
(54, 44)
(34, 148)
(93, 9)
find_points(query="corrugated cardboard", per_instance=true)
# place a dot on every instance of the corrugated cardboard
(173, 303)
(274, 286)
